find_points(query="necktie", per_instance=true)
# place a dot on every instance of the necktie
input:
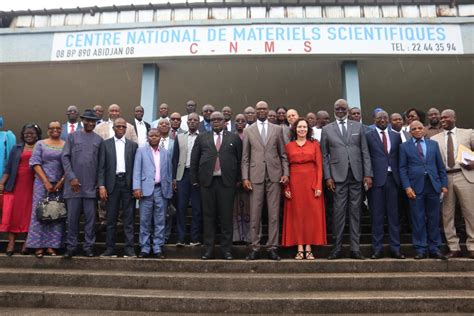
(451, 162)
(162, 143)
(420, 149)
(173, 134)
(217, 167)
(72, 128)
(344, 130)
(263, 133)
(384, 141)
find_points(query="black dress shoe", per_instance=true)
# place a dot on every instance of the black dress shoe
(109, 253)
(453, 254)
(438, 255)
(68, 254)
(227, 256)
(377, 255)
(334, 255)
(209, 254)
(143, 255)
(253, 255)
(129, 253)
(357, 255)
(273, 255)
(89, 253)
(420, 256)
(397, 255)
(159, 255)
(9, 253)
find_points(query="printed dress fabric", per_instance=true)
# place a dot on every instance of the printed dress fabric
(45, 235)
(304, 221)
(17, 204)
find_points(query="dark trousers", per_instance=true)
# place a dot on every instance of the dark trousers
(217, 203)
(120, 199)
(384, 201)
(425, 216)
(347, 197)
(74, 208)
(185, 192)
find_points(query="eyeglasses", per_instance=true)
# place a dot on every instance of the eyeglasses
(175, 119)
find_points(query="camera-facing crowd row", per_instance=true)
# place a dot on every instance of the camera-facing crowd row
(231, 169)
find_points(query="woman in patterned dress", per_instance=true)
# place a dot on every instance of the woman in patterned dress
(46, 162)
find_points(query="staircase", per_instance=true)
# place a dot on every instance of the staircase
(185, 284)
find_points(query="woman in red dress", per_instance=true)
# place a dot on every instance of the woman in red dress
(17, 186)
(304, 222)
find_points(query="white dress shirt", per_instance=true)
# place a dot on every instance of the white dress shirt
(389, 144)
(76, 125)
(338, 121)
(120, 154)
(141, 132)
(317, 133)
(260, 125)
(165, 141)
(217, 173)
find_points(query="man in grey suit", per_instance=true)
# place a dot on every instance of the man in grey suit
(264, 170)
(116, 157)
(346, 162)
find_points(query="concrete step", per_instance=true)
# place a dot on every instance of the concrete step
(321, 266)
(237, 301)
(241, 251)
(256, 282)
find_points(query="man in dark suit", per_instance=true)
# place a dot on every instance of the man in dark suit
(423, 176)
(205, 125)
(72, 123)
(116, 157)
(228, 124)
(383, 196)
(215, 167)
(141, 127)
(346, 162)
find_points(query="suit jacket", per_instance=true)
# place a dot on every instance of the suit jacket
(108, 163)
(231, 126)
(381, 160)
(205, 154)
(413, 168)
(339, 152)
(180, 153)
(258, 156)
(463, 137)
(104, 131)
(147, 125)
(202, 128)
(144, 170)
(65, 128)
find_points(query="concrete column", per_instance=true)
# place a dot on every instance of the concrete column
(149, 95)
(350, 83)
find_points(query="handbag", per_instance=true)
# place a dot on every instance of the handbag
(51, 209)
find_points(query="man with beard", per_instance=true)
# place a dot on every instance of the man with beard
(434, 124)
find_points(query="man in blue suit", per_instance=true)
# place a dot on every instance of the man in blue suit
(423, 177)
(152, 186)
(383, 196)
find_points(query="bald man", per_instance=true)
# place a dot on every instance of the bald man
(106, 131)
(72, 124)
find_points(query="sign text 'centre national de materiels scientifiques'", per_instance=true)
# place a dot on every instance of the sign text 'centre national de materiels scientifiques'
(264, 39)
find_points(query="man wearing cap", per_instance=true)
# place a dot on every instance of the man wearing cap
(80, 158)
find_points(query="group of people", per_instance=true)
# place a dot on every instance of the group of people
(231, 170)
